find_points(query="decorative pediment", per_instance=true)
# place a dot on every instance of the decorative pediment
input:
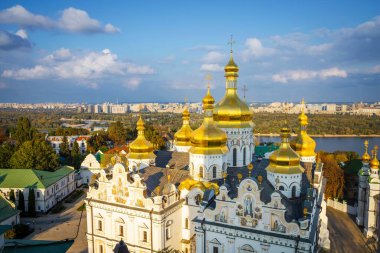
(215, 241)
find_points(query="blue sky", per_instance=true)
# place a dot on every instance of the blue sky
(140, 51)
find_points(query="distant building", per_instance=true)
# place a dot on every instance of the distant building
(49, 187)
(56, 141)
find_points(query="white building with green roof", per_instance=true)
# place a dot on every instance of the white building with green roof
(49, 187)
(9, 215)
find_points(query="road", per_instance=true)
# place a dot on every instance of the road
(345, 235)
(62, 226)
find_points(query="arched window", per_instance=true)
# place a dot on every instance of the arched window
(281, 188)
(214, 172)
(294, 189)
(234, 157)
(186, 223)
(244, 155)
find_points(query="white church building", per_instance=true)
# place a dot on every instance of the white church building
(223, 201)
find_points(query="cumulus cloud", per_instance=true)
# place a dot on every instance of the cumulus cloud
(255, 49)
(297, 75)
(132, 83)
(213, 57)
(71, 20)
(9, 41)
(211, 67)
(22, 17)
(63, 64)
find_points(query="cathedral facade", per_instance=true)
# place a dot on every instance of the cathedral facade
(223, 199)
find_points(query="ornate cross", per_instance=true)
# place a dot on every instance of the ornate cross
(231, 42)
(244, 89)
(208, 78)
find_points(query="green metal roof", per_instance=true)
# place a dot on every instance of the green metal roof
(7, 209)
(29, 178)
(31, 246)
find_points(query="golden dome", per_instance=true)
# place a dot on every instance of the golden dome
(141, 148)
(303, 144)
(183, 135)
(374, 162)
(366, 157)
(285, 160)
(231, 111)
(208, 138)
(189, 184)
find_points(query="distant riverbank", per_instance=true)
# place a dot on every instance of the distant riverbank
(326, 135)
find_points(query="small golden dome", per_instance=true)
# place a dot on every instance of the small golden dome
(374, 162)
(231, 111)
(141, 148)
(208, 138)
(208, 100)
(231, 69)
(285, 160)
(303, 144)
(183, 135)
(366, 157)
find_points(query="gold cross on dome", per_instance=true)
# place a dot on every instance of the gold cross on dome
(208, 78)
(231, 42)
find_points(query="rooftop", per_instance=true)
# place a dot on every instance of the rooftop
(7, 209)
(30, 178)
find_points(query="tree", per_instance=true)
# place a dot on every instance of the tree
(76, 156)
(12, 196)
(334, 175)
(21, 201)
(31, 203)
(64, 149)
(24, 131)
(35, 154)
(117, 133)
(6, 152)
(98, 141)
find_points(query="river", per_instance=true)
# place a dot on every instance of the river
(332, 144)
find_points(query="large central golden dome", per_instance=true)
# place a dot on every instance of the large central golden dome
(208, 139)
(285, 160)
(231, 111)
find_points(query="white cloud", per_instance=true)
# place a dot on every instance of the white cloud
(22, 33)
(255, 49)
(19, 15)
(375, 69)
(297, 75)
(62, 64)
(37, 72)
(213, 57)
(71, 20)
(132, 83)
(78, 21)
(211, 67)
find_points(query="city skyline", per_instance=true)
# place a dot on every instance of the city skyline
(162, 51)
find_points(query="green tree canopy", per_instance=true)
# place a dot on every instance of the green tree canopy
(98, 141)
(117, 133)
(21, 201)
(24, 131)
(334, 175)
(6, 152)
(35, 154)
(31, 203)
(64, 149)
(76, 156)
